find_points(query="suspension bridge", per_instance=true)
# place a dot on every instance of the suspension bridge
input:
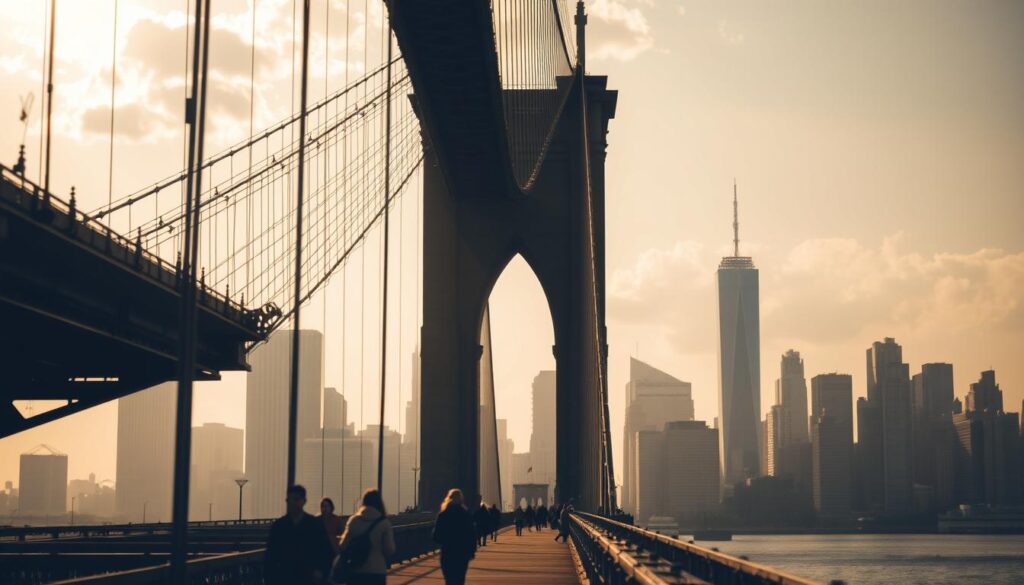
(484, 106)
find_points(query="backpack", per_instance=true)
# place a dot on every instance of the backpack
(354, 555)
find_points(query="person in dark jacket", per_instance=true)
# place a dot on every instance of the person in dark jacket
(298, 551)
(495, 522)
(454, 531)
(529, 516)
(563, 524)
(542, 517)
(555, 512)
(482, 521)
(518, 517)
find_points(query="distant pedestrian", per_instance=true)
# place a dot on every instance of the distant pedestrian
(530, 516)
(519, 517)
(553, 516)
(495, 522)
(298, 552)
(331, 521)
(454, 531)
(563, 523)
(482, 522)
(367, 543)
(542, 517)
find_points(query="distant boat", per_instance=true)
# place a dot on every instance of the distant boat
(711, 534)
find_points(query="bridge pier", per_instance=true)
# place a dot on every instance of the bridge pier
(468, 239)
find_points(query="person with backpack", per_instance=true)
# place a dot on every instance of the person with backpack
(454, 531)
(366, 544)
(298, 552)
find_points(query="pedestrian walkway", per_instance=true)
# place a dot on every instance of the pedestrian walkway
(534, 557)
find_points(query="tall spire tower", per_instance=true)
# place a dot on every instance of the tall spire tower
(739, 398)
(735, 222)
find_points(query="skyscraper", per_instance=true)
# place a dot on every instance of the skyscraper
(653, 398)
(791, 393)
(43, 481)
(677, 471)
(988, 442)
(145, 454)
(335, 410)
(543, 437)
(739, 399)
(889, 391)
(934, 435)
(216, 464)
(832, 444)
(266, 417)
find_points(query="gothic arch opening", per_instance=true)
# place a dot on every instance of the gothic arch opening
(517, 368)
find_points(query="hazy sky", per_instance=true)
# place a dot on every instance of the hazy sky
(877, 146)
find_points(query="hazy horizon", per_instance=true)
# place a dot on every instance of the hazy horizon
(877, 149)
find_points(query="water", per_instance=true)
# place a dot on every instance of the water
(876, 559)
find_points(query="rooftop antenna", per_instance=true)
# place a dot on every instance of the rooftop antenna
(735, 221)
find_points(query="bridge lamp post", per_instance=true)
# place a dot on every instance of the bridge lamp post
(209, 515)
(241, 484)
(144, 504)
(72, 510)
(415, 488)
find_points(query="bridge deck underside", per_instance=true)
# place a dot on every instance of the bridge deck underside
(87, 318)
(533, 557)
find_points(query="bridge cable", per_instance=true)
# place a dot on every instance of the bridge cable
(42, 88)
(344, 273)
(384, 293)
(323, 403)
(113, 85)
(299, 196)
(252, 104)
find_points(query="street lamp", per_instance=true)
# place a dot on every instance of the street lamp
(144, 504)
(241, 484)
(210, 514)
(72, 510)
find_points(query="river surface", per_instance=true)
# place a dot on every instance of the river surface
(876, 559)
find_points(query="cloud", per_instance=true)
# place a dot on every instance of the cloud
(728, 33)
(618, 31)
(132, 121)
(830, 291)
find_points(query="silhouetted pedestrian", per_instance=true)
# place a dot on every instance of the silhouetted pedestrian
(454, 531)
(495, 522)
(530, 516)
(331, 521)
(542, 517)
(563, 524)
(298, 552)
(482, 522)
(368, 535)
(519, 517)
(553, 516)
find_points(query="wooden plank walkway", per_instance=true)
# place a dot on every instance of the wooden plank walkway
(534, 557)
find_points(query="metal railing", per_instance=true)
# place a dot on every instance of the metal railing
(613, 552)
(246, 568)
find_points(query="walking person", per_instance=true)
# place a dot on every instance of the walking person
(298, 551)
(563, 523)
(530, 516)
(553, 520)
(367, 542)
(542, 517)
(482, 522)
(519, 517)
(454, 531)
(495, 522)
(332, 523)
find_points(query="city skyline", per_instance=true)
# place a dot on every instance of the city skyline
(805, 216)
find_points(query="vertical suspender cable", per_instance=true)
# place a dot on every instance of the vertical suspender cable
(196, 117)
(42, 90)
(384, 293)
(323, 252)
(248, 187)
(293, 397)
(113, 103)
(49, 102)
